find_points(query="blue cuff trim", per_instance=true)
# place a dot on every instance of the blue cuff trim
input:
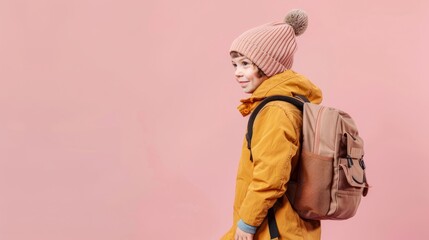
(246, 227)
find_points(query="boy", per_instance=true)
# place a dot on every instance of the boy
(262, 58)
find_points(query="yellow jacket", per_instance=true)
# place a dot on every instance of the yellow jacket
(275, 148)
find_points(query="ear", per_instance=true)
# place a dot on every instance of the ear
(261, 73)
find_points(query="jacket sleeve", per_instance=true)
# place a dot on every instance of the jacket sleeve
(274, 143)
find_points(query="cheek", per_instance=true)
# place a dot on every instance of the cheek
(252, 75)
(257, 82)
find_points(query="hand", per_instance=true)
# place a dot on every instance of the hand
(240, 235)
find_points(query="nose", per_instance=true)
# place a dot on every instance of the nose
(238, 72)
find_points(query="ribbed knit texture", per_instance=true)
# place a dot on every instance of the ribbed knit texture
(270, 47)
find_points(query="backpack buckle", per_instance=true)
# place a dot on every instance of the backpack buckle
(349, 161)
(362, 164)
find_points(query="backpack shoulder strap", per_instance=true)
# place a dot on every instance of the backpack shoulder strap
(298, 102)
(294, 101)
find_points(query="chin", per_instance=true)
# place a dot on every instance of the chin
(245, 90)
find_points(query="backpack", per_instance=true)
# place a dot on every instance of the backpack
(329, 179)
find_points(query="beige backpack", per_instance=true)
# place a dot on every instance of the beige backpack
(330, 177)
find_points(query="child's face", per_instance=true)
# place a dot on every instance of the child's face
(247, 74)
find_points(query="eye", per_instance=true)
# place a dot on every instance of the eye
(245, 63)
(234, 65)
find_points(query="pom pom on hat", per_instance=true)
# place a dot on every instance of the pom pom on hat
(298, 20)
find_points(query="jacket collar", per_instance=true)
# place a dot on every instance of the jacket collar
(287, 83)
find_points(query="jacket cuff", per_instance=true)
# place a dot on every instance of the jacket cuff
(246, 227)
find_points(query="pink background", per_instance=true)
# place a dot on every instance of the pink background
(118, 119)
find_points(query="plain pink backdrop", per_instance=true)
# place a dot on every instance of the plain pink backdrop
(118, 119)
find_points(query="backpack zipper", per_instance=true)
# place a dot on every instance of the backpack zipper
(316, 135)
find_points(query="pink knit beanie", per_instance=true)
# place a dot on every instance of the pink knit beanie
(271, 46)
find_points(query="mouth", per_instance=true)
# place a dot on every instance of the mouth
(243, 83)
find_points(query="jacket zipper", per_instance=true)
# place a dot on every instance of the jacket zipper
(316, 135)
